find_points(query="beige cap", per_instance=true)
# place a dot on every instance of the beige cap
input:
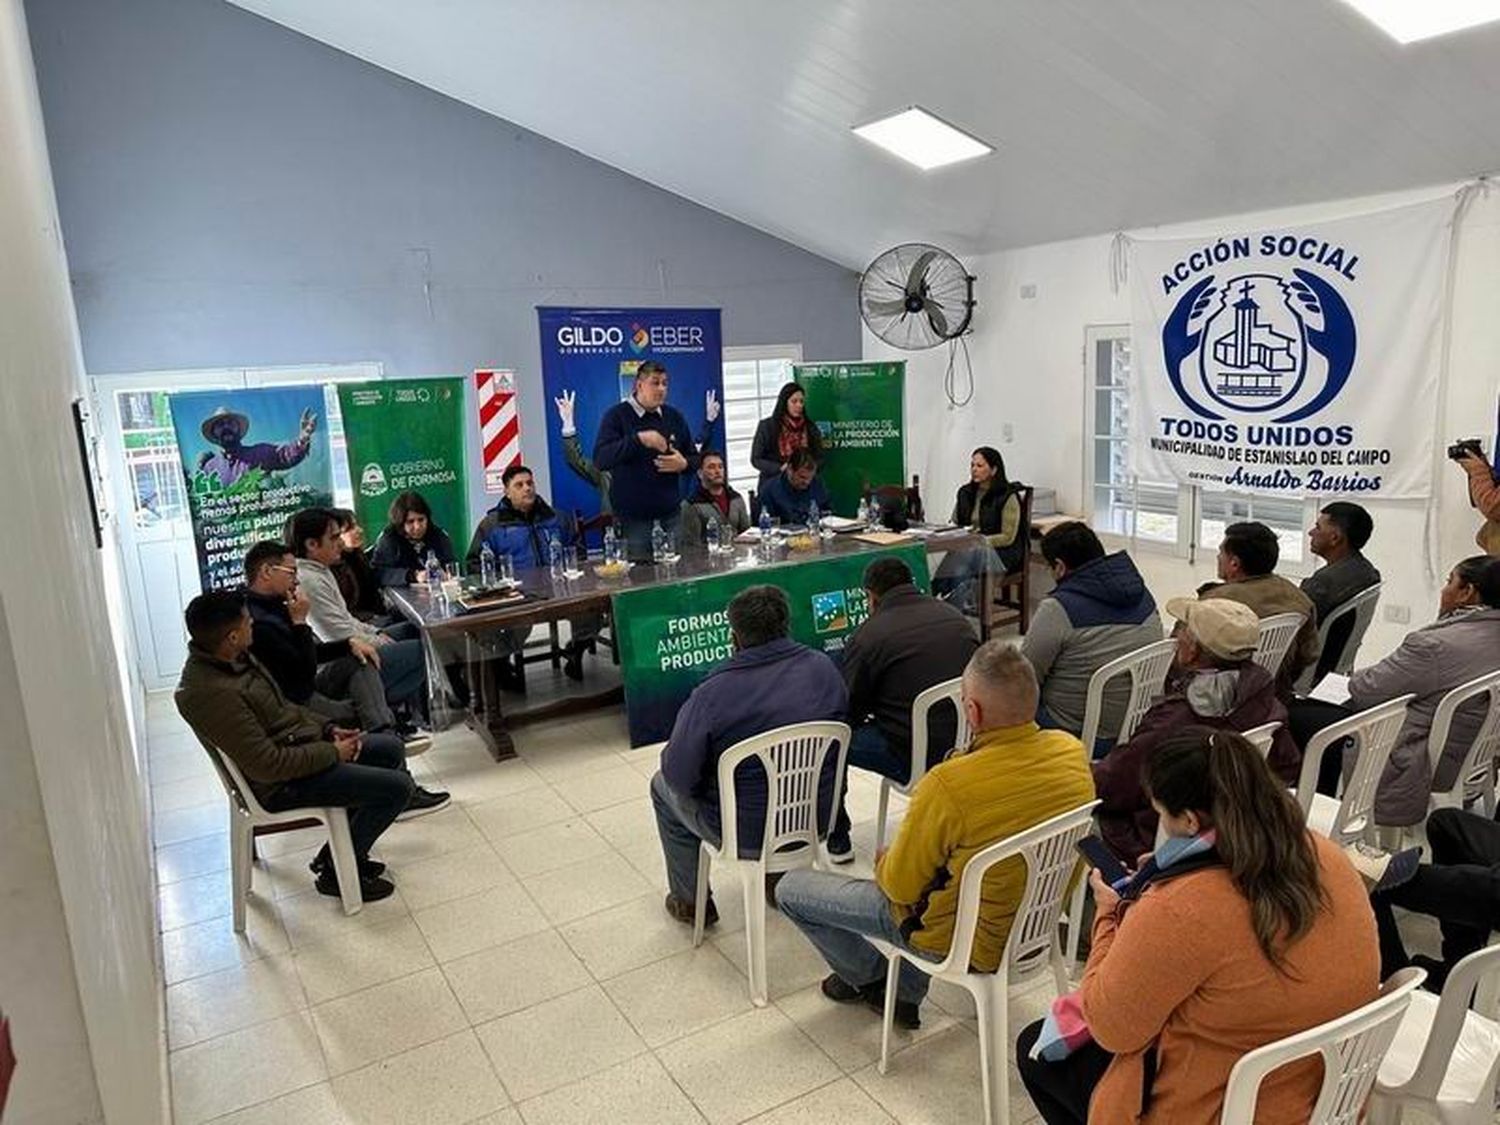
(1228, 629)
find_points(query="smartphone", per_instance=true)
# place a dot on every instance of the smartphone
(1097, 852)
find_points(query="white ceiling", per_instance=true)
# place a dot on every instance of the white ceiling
(1106, 114)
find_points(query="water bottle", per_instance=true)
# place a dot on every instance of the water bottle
(711, 534)
(658, 542)
(872, 510)
(555, 561)
(611, 545)
(726, 538)
(765, 534)
(863, 514)
(486, 565)
(814, 517)
(435, 574)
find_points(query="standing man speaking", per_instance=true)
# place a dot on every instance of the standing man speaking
(645, 445)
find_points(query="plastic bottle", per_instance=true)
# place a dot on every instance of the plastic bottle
(435, 574)
(611, 545)
(711, 534)
(486, 565)
(863, 514)
(555, 558)
(658, 542)
(726, 538)
(766, 549)
(814, 517)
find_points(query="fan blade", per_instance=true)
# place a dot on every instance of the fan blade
(918, 271)
(886, 308)
(935, 316)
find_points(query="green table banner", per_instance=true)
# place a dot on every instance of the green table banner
(407, 434)
(672, 636)
(859, 408)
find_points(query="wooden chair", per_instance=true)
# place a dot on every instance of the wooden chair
(1011, 604)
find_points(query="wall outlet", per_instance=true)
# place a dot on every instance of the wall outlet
(1398, 614)
(1028, 292)
(1007, 433)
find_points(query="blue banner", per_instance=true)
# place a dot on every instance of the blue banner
(589, 359)
(251, 459)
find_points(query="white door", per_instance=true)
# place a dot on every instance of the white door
(146, 487)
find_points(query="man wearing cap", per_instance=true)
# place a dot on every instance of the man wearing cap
(1220, 686)
(227, 429)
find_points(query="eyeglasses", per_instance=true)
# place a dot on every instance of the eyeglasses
(284, 569)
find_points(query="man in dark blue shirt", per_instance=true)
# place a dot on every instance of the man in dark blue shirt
(790, 496)
(645, 445)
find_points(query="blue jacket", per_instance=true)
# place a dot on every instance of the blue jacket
(524, 537)
(786, 504)
(755, 690)
(636, 490)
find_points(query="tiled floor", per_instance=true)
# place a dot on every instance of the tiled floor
(524, 972)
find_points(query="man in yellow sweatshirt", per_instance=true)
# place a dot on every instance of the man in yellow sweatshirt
(1013, 775)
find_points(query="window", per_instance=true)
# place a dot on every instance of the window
(752, 379)
(152, 469)
(1183, 519)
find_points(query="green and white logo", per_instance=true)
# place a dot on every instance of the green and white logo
(372, 481)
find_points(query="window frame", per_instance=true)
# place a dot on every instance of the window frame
(747, 480)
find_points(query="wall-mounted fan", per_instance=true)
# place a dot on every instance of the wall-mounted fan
(915, 296)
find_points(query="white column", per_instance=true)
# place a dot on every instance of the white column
(79, 973)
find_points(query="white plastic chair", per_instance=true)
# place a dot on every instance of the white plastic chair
(1264, 737)
(1351, 1047)
(792, 757)
(1362, 606)
(246, 814)
(920, 706)
(1276, 635)
(1475, 780)
(1147, 668)
(1048, 850)
(1351, 817)
(1445, 1059)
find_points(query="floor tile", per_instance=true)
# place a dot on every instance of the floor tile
(602, 788)
(547, 849)
(186, 764)
(627, 936)
(277, 844)
(843, 1102)
(680, 995)
(210, 946)
(626, 825)
(936, 1080)
(213, 1005)
(194, 900)
(791, 961)
(313, 918)
(480, 778)
(442, 878)
(586, 888)
(504, 1117)
(448, 1082)
(646, 857)
(281, 876)
(185, 793)
(637, 1092)
(467, 925)
(507, 978)
(311, 1105)
(408, 841)
(559, 760)
(850, 1033)
(191, 858)
(747, 1065)
(520, 812)
(174, 826)
(244, 1068)
(558, 1042)
(368, 1026)
(361, 958)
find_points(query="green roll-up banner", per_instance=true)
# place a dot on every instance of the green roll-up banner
(672, 636)
(407, 434)
(858, 407)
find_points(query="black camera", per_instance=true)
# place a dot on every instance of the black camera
(1469, 447)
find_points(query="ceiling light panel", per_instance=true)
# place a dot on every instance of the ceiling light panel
(1408, 21)
(919, 138)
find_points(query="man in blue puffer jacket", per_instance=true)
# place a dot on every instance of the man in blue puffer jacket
(1100, 610)
(521, 527)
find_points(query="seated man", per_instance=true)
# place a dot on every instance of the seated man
(521, 528)
(769, 682)
(292, 756)
(338, 679)
(909, 642)
(714, 499)
(1337, 537)
(1013, 776)
(1220, 686)
(790, 496)
(314, 540)
(1099, 610)
(1247, 561)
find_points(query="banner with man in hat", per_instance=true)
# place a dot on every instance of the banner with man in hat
(251, 458)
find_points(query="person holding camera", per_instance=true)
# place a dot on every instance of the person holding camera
(1484, 492)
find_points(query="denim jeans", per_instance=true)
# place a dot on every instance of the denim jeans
(869, 750)
(682, 823)
(348, 678)
(403, 672)
(637, 534)
(374, 788)
(837, 913)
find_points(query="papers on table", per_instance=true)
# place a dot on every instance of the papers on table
(1332, 688)
(841, 523)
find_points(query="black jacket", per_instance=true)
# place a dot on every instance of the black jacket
(397, 561)
(992, 519)
(909, 643)
(358, 584)
(765, 449)
(291, 653)
(636, 490)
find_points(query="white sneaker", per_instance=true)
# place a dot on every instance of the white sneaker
(1382, 870)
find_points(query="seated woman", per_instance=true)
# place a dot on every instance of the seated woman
(1461, 645)
(357, 582)
(400, 557)
(989, 505)
(1251, 929)
(787, 430)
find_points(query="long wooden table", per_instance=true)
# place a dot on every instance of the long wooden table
(491, 715)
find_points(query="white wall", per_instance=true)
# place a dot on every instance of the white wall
(79, 970)
(1029, 370)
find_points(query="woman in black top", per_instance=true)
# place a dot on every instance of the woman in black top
(785, 431)
(401, 553)
(989, 505)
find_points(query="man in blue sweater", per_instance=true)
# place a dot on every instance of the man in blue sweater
(645, 445)
(770, 681)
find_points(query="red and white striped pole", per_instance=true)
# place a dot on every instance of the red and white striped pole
(499, 424)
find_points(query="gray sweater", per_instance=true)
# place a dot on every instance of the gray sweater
(328, 614)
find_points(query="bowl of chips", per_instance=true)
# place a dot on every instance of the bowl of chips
(611, 569)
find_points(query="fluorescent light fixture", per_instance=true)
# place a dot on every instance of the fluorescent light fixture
(1407, 21)
(920, 138)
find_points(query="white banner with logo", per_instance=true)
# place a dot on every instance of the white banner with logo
(1294, 361)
